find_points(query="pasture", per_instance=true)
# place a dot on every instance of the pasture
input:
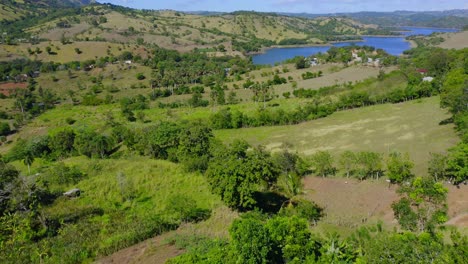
(412, 127)
(455, 40)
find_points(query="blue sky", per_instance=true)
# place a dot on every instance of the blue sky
(309, 6)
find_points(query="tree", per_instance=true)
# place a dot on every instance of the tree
(251, 241)
(262, 92)
(8, 177)
(454, 94)
(300, 62)
(323, 163)
(61, 142)
(292, 238)
(235, 174)
(230, 178)
(347, 162)
(262, 166)
(197, 100)
(28, 160)
(92, 144)
(4, 129)
(194, 146)
(457, 163)
(437, 166)
(399, 168)
(423, 205)
(159, 141)
(371, 163)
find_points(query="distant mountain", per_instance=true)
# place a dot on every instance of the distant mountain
(451, 18)
(61, 3)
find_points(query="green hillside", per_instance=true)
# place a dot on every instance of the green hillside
(144, 136)
(236, 32)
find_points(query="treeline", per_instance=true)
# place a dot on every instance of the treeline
(449, 67)
(293, 41)
(253, 45)
(319, 108)
(9, 70)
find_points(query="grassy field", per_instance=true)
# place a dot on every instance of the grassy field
(66, 53)
(455, 40)
(411, 127)
(151, 184)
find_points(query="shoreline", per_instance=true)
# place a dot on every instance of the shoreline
(412, 43)
(263, 50)
(459, 29)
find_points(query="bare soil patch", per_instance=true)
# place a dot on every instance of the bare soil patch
(155, 250)
(10, 87)
(350, 203)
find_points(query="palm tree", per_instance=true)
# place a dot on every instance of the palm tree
(28, 160)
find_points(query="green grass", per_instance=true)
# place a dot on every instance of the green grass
(151, 183)
(411, 127)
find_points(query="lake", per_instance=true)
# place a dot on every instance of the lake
(392, 45)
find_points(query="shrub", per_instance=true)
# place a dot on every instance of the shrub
(140, 76)
(4, 129)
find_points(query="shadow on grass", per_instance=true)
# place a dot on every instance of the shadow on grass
(269, 202)
(446, 121)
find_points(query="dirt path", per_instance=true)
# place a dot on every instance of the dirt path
(155, 251)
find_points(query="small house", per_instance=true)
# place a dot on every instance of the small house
(35, 74)
(21, 78)
(428, 79)
(422, 71)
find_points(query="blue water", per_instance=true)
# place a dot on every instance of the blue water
(392, 45)
(410, 31)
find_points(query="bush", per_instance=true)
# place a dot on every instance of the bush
(70, 120)
(61, 174)
(140, 76)
(185, 209)
(4, 129)
(3, 114)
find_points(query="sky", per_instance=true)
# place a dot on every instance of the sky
(296, 6)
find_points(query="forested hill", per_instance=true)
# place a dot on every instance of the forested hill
(61, 3)
(450, 18)
(11, 10)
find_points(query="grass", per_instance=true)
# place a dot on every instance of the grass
(411, 127)
(455, 40)
(66, 53)
(151, 183)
